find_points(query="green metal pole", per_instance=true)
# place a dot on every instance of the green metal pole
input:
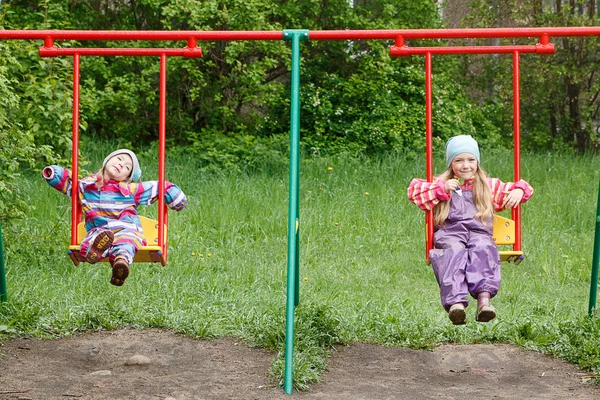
(3, 294)
(596, 258)
(294, 207)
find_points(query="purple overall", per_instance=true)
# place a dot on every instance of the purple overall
(465, 258)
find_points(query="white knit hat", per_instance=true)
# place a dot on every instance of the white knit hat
(461, 144)
(136, 171)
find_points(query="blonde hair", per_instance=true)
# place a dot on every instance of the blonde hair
(482, 196)
(100, 182)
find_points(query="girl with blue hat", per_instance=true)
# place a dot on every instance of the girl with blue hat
(465, 258)
(109, 201)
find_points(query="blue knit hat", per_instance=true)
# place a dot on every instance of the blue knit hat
(461, 144)
(136, 171)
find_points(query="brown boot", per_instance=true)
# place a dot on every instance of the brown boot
(457, 314)
(485, 311)
(120, 271)
(102, 241)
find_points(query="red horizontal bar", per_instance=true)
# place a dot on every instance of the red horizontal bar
(400, 51)
(141, 35)
(314, 35)
(470, 33)
(55, 51)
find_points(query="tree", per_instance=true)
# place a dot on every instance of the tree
(560, 104)
(354, 96)
(17, 145)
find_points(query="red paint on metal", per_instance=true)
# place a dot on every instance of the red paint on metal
(402, 51)
(392, 34)
(162, 135)
(429, 148)
(471, 33)
(75, 206)
(516, 212)
(141, 35)
(48, 42)
(140, 52)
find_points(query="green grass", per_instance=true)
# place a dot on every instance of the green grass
(363, 275)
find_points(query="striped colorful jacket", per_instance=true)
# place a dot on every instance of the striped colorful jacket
(427, 195)
(114, 205)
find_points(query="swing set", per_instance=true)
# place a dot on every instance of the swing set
(506, 231)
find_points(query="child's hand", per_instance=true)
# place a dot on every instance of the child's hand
(451, 185)
(512, 198)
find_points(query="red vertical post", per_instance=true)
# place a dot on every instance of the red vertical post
(75, 207)
(516, 212)
(162, 133)
(429, 149)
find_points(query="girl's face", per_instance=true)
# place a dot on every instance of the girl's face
(118, 167)
(464, 165)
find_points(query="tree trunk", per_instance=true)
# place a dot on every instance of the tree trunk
(580, 135)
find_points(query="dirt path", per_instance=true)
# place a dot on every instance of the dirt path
(102, 366)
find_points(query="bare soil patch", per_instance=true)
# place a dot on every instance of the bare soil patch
(156, 364)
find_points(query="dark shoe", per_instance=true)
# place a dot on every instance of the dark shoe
(120, 271)
(457, 314)
(102, 242)
(485, 311)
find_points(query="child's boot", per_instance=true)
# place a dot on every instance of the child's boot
(120, 271)
(103, 241)
(485, 311)
(457, 314)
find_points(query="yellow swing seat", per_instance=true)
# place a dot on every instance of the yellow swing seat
(148, 253)
(504, 234)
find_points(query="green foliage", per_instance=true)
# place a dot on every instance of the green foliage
(355, 98)
(16, 144)
(213, 152)
(560, 100)
(43, 85)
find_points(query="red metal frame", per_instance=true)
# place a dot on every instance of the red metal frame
(516, 212)
(399, 49)
(162, 134)
(75, 206)
(428, 148)
(191, 51)
(314, 35)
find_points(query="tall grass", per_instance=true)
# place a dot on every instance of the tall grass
(363, 275)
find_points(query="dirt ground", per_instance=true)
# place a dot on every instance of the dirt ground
(155, 364)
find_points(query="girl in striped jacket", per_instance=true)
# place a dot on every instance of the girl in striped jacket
(465, 259)
(109, 201)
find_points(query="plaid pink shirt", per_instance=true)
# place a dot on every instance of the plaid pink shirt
(427, 195)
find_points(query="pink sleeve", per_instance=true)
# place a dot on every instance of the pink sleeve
(498, 188)
(427, 195)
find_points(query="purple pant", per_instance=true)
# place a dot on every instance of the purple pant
(465, 258)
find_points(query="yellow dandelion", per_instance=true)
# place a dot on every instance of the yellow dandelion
(366, 193)
(193, 254)
(342, 278)
(305, 279)
(329, 168)
(200, 255)
(208, 254)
